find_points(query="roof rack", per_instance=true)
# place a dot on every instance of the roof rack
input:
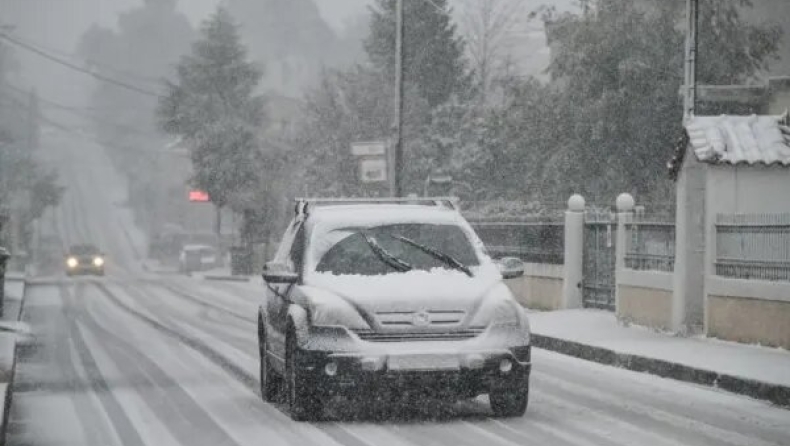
(303, 203)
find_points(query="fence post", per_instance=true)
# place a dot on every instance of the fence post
(574, 253)
(625, 208)
(4, 256)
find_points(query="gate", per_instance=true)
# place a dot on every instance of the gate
(598, 283)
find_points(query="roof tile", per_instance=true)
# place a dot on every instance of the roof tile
(740, 139)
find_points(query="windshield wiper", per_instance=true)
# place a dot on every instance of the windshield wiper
(385, 256)
(446, 258)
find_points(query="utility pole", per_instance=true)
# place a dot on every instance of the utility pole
(396, 183)
(690, 85)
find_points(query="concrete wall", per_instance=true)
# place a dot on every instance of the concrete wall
(747, 189)
(645, 298)
(749, 311)
(540, 287)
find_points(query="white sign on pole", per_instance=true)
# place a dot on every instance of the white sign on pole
(371, 148)
(373, 170)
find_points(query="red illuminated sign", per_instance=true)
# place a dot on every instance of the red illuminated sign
(198, 196)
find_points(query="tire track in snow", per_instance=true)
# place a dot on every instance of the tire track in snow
(123, 426)
(172, 403)
(247, 380)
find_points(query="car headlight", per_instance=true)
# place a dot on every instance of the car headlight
(337, 313)
(72, 262)
(98, 261)
(498, 310)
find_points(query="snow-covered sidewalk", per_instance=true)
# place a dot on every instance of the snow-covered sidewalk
(10, 331)
(761, 372)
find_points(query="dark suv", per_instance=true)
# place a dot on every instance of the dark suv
(392, 298)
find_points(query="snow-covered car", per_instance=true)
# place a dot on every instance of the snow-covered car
(392, 298)
(197, 258)
(84, 259)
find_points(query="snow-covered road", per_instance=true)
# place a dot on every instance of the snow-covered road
(142, 359)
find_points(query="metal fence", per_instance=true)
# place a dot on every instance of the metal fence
(600, 238)
(651, 243)
(531, 241)
(753, 246)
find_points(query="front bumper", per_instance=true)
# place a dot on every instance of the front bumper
(450, 369)
(85, 270)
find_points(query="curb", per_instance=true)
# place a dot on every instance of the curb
(774, 393)
(8, 397)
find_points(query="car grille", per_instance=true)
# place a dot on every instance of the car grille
(403, 319)
(458, 335)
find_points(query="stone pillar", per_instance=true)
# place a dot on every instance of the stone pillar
(688, 295)
(625, 215)
(574, 253)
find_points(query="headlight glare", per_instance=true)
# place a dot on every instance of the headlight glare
(72, 262)
(98, 261)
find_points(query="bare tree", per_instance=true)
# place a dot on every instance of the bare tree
(488, 28)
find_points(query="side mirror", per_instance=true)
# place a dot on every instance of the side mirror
(283, 277)
(510, 267)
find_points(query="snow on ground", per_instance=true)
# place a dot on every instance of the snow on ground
(601, 329)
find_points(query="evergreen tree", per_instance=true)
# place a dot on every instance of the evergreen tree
(433, 53)
(212, 105)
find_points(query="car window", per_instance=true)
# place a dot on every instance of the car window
(296, 253)
(352, 254)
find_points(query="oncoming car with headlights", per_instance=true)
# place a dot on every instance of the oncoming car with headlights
(392, 298)
(84, 259)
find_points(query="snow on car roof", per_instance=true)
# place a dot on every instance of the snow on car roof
(379, 214)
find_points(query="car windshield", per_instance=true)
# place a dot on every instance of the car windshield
(83, 250)
(380, 249)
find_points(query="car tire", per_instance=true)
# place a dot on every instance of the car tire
(268, 379)
(506, 403)
(303, 404)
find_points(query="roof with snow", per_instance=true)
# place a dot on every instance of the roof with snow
(740, 139)
(727, 139)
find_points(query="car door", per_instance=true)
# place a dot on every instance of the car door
(277, 295)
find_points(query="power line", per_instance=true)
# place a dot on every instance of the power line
(67, 56)
(78, 111)
(75, 67)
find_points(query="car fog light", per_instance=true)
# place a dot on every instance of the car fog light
(475, 361)
(330, 368)
(505, 365)
(371, 364)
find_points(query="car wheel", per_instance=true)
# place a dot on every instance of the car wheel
(509, 402)
(269, 382)
(302, 402)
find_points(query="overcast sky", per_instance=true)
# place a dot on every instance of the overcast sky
(336, 12)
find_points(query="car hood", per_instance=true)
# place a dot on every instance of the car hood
(439, 290)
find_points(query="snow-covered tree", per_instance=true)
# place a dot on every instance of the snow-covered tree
(212, 104)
